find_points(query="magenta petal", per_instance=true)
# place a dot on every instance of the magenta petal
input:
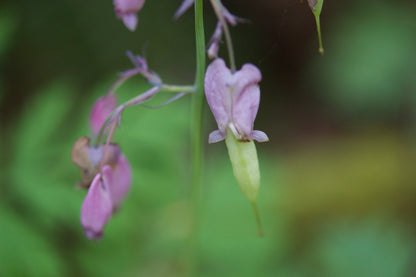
(101, 110)
(217, 92)
(121, 181)
(96, 209)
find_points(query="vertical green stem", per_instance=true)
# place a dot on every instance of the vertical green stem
(196, 133)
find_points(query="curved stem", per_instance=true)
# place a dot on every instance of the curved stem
(217, 6)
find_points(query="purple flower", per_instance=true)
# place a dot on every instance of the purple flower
(101, 110)
(234, 100)
(104, 169)
(127, 11)
(97, 206)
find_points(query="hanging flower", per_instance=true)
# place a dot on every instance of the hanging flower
(104, 169)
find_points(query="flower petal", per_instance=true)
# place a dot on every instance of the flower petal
(216, 136)
(218, 93)
(101, 110)
(120, 182)
(259, 136)
(246, 99)
(130, 20)
(96, 209)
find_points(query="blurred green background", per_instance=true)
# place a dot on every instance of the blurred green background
(338, 176)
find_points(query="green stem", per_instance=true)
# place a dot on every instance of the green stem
(196, 133)
(318, 27)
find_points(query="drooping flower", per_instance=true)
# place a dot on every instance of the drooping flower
(127, 11)
(234, 100)
(104, 169)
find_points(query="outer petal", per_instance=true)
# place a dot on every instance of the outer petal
(96, 209)
(218, 93)
(121, 181)
(101, 110)
(246, 98)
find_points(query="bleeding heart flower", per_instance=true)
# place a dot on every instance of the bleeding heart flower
(234, 100)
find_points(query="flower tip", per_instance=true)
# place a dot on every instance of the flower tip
(130, 20)
(259, 136)
(93, 235)
(96, 209)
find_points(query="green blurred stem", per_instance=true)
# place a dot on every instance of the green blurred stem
(196, 133)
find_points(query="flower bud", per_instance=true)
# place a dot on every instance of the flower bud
(101, 110)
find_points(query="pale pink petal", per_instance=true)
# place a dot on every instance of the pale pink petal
(259, 136)
(101, 110)
(217, 93)
(216, 136)
(96, 209)
(121, 181)
(130, 20)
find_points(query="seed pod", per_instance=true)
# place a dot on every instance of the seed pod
(243, 156)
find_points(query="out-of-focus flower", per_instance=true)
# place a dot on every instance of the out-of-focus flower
(234, 100)
(104, 169)
(127, 11)
(101, 110)
(97, 207)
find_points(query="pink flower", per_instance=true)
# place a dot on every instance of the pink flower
(234, 100)
(105, 170)
(127, 11)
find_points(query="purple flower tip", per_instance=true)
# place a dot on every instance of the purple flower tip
(234, 100)
(127, 11)
(97, 208)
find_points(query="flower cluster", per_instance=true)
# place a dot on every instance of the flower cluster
(105, 170)
(233, 96)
